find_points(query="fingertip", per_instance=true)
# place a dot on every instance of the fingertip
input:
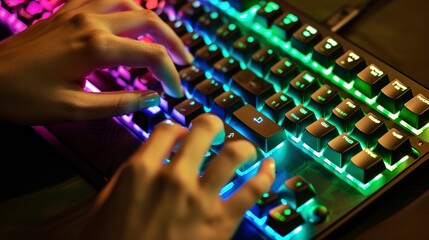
(150, 99)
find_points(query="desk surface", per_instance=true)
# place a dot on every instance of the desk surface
(42, 196)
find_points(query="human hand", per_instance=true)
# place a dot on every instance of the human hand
(43, 69)
(148, 200)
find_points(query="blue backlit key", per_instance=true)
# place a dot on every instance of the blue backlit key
(186, 111)
(225, 68)
(191, 76)
(264, 204)
(259, 129)
(297, 191)
(225, 104)
(208, 55)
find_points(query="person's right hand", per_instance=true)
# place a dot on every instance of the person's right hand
(43, 69)
(146, 200)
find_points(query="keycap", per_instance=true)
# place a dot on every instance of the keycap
(323, 100)
(168, 103)
(193, 41)
(146, 119)
(208, 55)
(207, 90)
(264, 204)
(346, 114)
(244, 47)
(369, 129)
(327, 51)
(297, 191)
(259, 129)
(318, 134)
(283, 72)
(225, 104)
(178, 27)
(302, 86)
(285, 25)
(277, 105)
(416, 111)
(186, 111)
(225, 68)
(348, 65)
(268, 12)
(371, 80)
(297, 119)
(191, 76)
(341, 149)
(263, 60)
(284, 219)
(393, 146)
(252, 88)
(305, 38)
(209, 22)
(365, 165)
(104, 81)
(394, 95)
(241, 5)
(227, 34)
(191, 11)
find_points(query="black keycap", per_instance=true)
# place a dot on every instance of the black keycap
(283, 219)
(191, 11)
(263, 60)
(207, 90)
(225, 104)
(323, 100)
(346, 114)
(394, 95)
(206, 160)
(146, 119)
(209, 22)
(104, 81)
(369, 129)
(365, 166)
(252, 88)
(191, 76)
(193, 41)
(277, 105)
(244, 47)
(225, 68)
(302, 86)
(297, 191)
(259, 129)
(348, 65)
(285, 25)
(341, 149)
(297, 119)
(241, 5)
(318, 134)
(186, 111)
(416, 111)
(146, 81)
(371, 80)
(282, 72)
(393, 146)
(267, 14)
(208, 55)
(178, 27)
(327, 51)
(264, 204)
(227, 34)
(168, 102)
(305, 38)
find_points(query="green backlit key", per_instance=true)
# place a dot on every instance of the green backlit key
(302, 86)
(394, 95)
(263, 59)
(346, 114)
(277, 105)
(369, 129)
(323, 100)
(227, 34)
(327, 51)
(267, 14)
(393, 146)
(264, 204)
(416, 111)
(348, 65)
(318, 134)
(365, 165)
(282, 72)
(244, 47)
(225, 104)
(297, 119)
(285, 25)
(284, 219)
(341, 149)
(305, 38)
(371, 80)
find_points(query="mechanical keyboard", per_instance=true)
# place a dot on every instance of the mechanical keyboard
(343, 126)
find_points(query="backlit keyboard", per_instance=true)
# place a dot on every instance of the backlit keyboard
(343, 126)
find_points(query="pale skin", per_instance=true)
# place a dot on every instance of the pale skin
(43, 83)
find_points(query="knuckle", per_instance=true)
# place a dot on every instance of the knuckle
(151, 17)
(96, 42)
(159, 54)
(82, 20)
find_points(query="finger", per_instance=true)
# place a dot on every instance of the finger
(198, 141)
(87, 105)
(146, 22)
(99, 6)
(252, 190)
(223, 166)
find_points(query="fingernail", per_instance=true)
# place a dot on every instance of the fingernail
(149, 100)
(272, 166)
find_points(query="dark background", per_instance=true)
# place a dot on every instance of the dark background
(42, 194)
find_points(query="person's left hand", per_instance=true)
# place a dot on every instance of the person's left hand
(43, 69)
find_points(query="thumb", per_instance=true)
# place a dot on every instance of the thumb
(90, 105)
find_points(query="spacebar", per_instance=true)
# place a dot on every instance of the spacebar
(259, 129)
